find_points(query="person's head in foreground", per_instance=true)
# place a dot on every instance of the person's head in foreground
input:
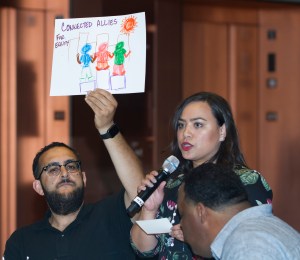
(217, 219)
(58, 177)
(210, 196)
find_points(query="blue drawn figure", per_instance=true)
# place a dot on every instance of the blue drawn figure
(120, 55)
(85, 59)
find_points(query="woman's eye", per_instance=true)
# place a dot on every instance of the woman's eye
(180, 125)
(198, 125)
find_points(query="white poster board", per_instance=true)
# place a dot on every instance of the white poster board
(99, 52)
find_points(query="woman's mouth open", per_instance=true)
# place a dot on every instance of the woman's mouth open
(186, 146)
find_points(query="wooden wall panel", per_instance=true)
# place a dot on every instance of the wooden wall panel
(205, 58)
(166, 74)
(279, 137)
(8, 133)
(40, 4)
(222, 13)
(242, 85)
(57, 129)
(31, 89)
(37, 125)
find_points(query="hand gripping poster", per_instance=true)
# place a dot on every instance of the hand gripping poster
(99, 52)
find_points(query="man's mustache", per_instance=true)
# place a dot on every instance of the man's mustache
(66, 180)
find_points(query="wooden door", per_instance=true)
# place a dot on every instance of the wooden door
(279, 128)
(8, 126)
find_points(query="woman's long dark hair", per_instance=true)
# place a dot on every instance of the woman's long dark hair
(229, 152)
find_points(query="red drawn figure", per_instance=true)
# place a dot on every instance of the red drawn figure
(102, 57)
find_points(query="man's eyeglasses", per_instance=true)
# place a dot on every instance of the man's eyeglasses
(54, 169)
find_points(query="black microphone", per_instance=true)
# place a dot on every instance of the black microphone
(169, 166)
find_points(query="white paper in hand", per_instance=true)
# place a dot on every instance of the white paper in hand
(155, 226)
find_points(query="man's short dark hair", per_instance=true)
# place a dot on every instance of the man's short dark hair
(35, 164)
(214, 185)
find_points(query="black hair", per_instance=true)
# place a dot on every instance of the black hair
(35, 164)
(214, 185)
(229, 152)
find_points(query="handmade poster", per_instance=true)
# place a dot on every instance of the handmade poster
(99, 52)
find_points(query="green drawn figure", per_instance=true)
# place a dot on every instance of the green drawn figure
(120, 55)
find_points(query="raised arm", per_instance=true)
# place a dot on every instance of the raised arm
(126, 163)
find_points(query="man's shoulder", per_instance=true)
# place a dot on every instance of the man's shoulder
(265, 237)
(41, 223)
(27, 232)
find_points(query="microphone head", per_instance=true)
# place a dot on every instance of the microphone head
(170, 164)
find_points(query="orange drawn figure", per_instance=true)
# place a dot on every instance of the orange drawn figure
(102, 56)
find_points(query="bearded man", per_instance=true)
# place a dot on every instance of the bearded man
(72, 229)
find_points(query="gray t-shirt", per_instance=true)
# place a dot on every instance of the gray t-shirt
(255, 233)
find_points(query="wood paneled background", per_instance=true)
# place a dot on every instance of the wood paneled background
(247, 51)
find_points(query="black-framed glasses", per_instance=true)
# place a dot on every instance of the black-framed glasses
(54, 169)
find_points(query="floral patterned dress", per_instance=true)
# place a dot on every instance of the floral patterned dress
(169, 248)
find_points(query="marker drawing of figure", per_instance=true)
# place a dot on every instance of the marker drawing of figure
(102, 57)
(85, 59)
(120, 55)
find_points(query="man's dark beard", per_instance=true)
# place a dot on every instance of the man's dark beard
(64, 204)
